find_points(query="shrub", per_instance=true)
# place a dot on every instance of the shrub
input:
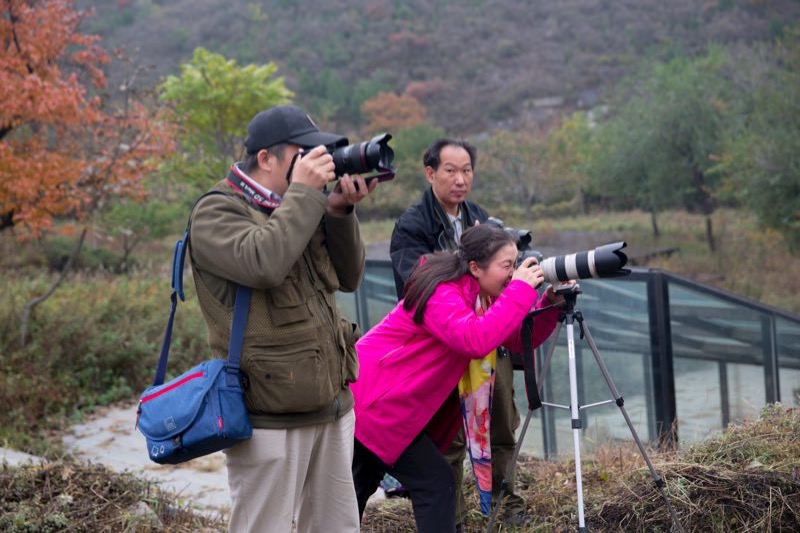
(94, 342)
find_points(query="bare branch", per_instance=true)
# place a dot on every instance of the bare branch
(31, 305)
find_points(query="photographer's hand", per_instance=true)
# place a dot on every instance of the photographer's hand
(314, 168)
(530, 272)
(348, 192)
(558, 299)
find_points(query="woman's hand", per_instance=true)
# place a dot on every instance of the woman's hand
(530, 272)
(558, 299)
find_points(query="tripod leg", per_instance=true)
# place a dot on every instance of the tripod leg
(621, 404)
(576, 420)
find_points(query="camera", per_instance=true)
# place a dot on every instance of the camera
(606, 261)
(373, 155)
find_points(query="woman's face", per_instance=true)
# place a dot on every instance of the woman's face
(494, 278)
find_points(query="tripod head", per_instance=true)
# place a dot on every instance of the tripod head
(566, 290)
(570, 294)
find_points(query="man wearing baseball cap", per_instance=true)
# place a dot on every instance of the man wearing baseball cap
(272, 226)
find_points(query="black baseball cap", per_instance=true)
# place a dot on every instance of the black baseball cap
(287, 124)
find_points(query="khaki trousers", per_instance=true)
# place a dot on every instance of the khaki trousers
(502, 432)
(299, 476)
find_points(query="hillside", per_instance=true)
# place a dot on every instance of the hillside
(475, 64)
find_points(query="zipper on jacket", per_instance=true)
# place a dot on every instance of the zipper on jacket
(325, 310)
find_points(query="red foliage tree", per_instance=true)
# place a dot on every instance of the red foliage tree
(62, 151)
(388, 111)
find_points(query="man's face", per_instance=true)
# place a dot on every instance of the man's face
(452, 181)
(278, 167)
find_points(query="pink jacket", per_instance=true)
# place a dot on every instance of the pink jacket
(408, 370)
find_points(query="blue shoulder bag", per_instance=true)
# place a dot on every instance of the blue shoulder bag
(202, 410)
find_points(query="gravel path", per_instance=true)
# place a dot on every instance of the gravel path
(109, 438)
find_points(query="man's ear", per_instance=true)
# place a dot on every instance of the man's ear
(474, 269)
(265, 160)
(429, 174)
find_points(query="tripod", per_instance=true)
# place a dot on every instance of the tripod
(533, 390)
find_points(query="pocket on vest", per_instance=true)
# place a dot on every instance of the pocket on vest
(289, 379)
(288, 305)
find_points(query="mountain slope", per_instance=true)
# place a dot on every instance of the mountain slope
(472, 63)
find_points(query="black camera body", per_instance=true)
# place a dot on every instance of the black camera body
(523, 239)
(373, 155)
(525, 254)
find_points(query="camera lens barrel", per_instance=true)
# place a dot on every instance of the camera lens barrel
(374, 154)
(603, 262)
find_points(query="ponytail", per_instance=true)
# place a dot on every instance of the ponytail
(478, 243)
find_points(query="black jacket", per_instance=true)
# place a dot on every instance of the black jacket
(424, 228)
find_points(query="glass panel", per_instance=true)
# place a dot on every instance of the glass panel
(697, 398)
(747, 390)
(616, 316)
(707, 327)
(718, 360)
(374, 298)
(788, 349)
(377, 292)
(346, 302)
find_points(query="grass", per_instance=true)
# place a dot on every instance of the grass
(745, 479)
(70, 496)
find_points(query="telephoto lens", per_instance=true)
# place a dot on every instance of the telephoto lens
(372, 155)
(603, 262)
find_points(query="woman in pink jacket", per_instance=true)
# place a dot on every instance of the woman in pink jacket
(406, 401)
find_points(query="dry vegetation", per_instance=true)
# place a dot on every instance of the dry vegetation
(747, 479)
(69, 496)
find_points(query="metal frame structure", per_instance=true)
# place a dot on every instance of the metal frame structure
(683, 319)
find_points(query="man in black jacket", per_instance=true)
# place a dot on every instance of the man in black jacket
(436, 223)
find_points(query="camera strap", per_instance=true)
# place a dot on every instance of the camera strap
(528, 364)
(258, 195)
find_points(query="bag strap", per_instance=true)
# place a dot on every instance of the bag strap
(241, 309)
(179, 254)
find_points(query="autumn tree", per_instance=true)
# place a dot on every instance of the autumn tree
(66, 148)
(213, 100)
(388, 111)
(43, 64)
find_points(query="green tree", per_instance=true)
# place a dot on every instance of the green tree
(213, 99)
(761, 160)
(569, 150)
(395, 196)
(512, 171)
(131, 224)
(657, 150)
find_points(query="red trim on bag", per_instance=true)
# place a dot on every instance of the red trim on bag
(172, 386)
(219, 422)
